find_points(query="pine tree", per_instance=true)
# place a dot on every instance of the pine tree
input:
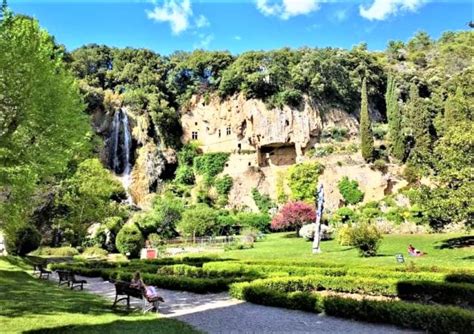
(366, 135)
(397, 139)
(418, 122)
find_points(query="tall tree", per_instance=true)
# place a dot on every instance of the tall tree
(418, 123)
(42, 127)
(366, 135)
(396, 137)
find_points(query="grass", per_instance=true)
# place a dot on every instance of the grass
(442, 251)
(29, 305)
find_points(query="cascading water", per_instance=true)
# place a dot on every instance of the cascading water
(121, 149)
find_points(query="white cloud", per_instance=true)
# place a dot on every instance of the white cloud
(177, 13)
(286, 9)
(382, 9)
(237, 38)
(204, 41)
(201, 22)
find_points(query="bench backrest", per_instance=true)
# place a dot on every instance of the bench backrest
(63, 275)
(123, 288)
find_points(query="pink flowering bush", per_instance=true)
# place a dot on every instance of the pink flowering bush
(293, 215)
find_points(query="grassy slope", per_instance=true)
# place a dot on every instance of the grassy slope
(281, 246)
(33, 306)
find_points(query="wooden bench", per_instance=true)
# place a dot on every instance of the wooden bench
(124, 289)
(39, 269)
(68, 277)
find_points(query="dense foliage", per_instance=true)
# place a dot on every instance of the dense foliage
(42, 128)
(303, 180)
(366, 134)
(293, 215)
(350, 191)
(130, 241)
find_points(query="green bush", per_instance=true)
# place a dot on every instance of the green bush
(263, 201)
(433, 319)
(343, 215)
(56, 251)
(349, 190)
(129, 240)
(303, 179)
(223, 184)
(184, 175)
(94, 251)
(460, 278)
(210, 164)
(439, 292)
(380, 165)
(343, 235)
(366, 238)
(22, 240)
(380, 130)
(259, 221)
(198, 221)
(322, 151)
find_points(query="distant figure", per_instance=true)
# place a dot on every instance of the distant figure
(137, 281)
(414, 252)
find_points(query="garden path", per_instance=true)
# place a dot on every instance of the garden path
(220, 313)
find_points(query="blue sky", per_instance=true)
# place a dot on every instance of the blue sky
(168, 25)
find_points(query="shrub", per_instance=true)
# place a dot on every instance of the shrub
(184, 175)
(129, 241)
(460, 278)
(343, 215)
(155, 240)
(349, 190)
(322, 151)
(380, 131)
(380, 165)
(439, 292)
(223, 184)
(366, 238)
(210, 164)
(22, 240)
(263, 202)
(56, 251)
(307, 232)
(94, 251)
(258, 221)
(293, 215)
(303, 179)
(433, 319)
(343, 235)
(198, 221)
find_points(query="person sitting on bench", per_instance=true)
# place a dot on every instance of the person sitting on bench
(137, 281)
(414, 252)
(150, 291)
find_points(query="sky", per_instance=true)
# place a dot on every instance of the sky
(166, 26)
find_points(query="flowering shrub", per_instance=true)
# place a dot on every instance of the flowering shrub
(293, 215)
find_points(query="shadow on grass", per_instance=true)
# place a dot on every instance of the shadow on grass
(461, 242)
(123, 326)
(21, 294)
(468, 257)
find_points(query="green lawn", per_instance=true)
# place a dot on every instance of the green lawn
(28, 305)
(282, 246)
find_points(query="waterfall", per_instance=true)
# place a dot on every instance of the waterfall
(121, 147)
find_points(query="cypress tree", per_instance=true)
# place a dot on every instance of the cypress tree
(418, 122)
(366, 135)
(397, 139)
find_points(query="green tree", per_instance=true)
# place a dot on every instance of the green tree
(395, 131)
(418, 122)
(350, 191)
(303, 180)
(87, 197)
(198, 221)
(42, 125)
(366, 136)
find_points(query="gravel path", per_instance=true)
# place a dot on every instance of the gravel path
(220, 313)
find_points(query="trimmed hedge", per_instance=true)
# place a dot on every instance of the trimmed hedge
(431, 318)
(443, 293)
(197, 285)
(435, 319)
(460, 278)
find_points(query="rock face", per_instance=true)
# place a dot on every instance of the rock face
(241, 125)
(264, 142)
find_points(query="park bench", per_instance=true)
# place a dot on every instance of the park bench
(124, 289)
(68, 277)
(39, 269)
